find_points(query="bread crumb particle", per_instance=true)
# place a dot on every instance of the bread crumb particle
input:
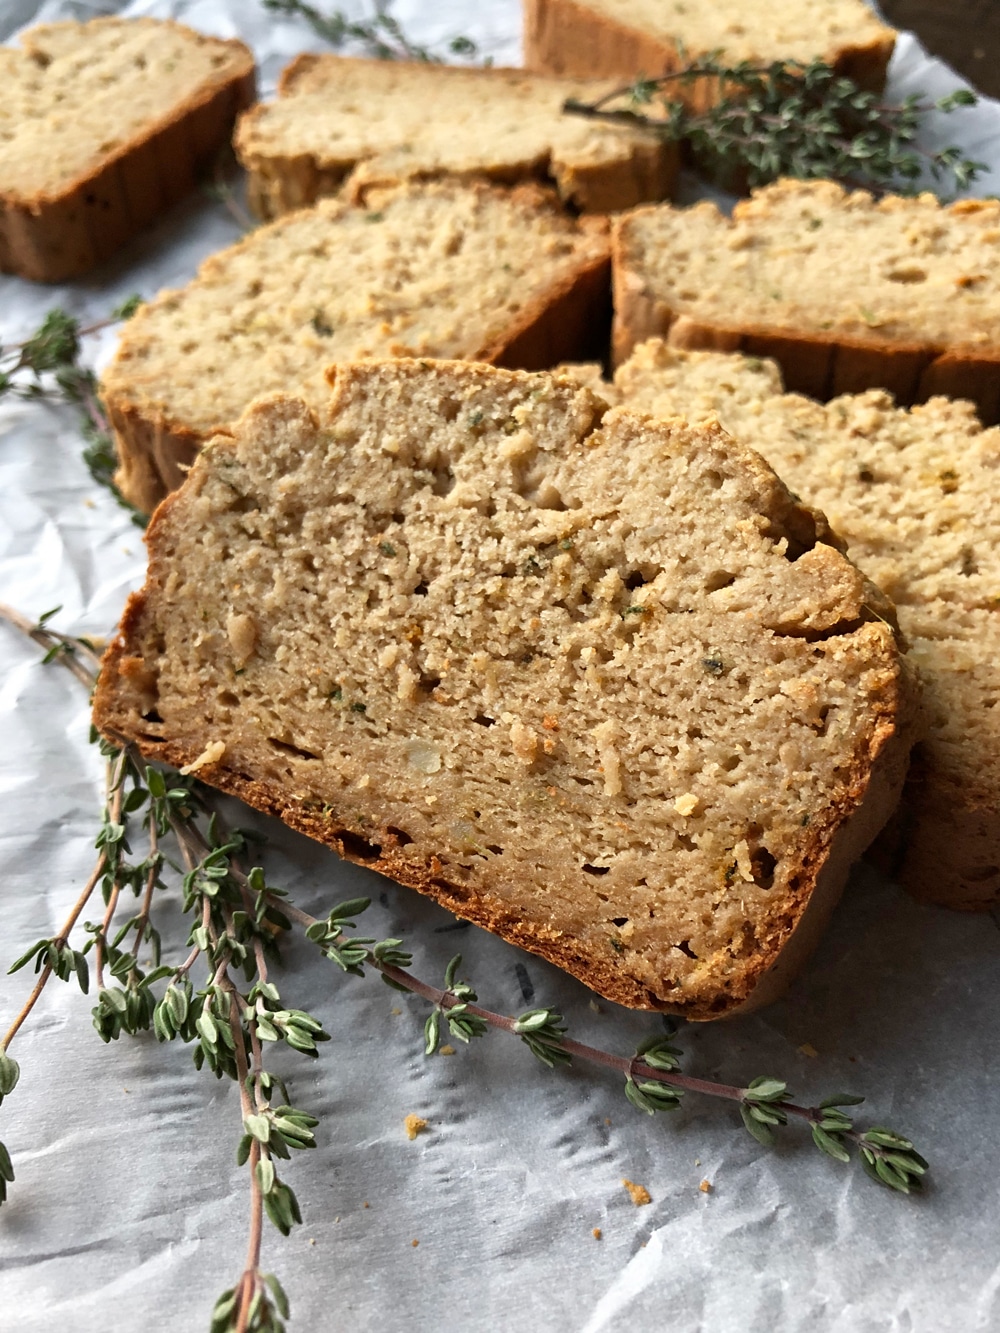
(312, 1240)
(639, 1193)
(211, 754)
(446, 1050)
(592, 1004)
(414, 1125)
(395, 1013)
(366, 1204)
(807, 1048)
(596, 1233)
(687, 804)
(706, 1187)
(414, 1243)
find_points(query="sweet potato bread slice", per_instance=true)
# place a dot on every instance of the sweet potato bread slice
(914, 308)
(426, 270)
(593, 38)
(104, 124)
(915, 495)
(594, 682)
(379, 122)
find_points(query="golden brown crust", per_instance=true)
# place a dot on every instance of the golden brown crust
(49, 238)
(822, 367)
(567, 37)
(568, 323)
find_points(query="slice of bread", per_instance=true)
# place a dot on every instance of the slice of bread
(913, 307)
(915, 495)
(103, 125)
(448, 270)
(379, 122)
(591, 681)
(628, 38)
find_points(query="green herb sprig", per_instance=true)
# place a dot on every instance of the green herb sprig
(47, 366)
(380, 36)
(229, 1019)
(789, 119)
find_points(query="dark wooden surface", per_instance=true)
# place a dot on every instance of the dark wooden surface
(965, 33)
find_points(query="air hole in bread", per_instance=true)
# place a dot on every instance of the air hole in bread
(762, 865)
(595, 870)
(354, 845)
(286, 747)
(685, 948)
(719, 579)
(401, 837)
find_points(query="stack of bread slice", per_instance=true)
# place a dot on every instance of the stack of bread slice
(595, 682)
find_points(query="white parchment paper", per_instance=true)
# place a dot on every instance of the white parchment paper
(129, 1211)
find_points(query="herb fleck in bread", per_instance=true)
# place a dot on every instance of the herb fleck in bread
(436, 270)
(379, 122)
(915, 495)
(594, 682)
(914, 308)
(102, 125)
(593, 38)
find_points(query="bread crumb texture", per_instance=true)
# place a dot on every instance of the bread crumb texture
(706, 1187)
(597, 1233)
(414, 1125)
(639, 1194)
(914, 492)
(102, 124)
(440, 270)
(423, 598)
(914, 308)
(349, 124)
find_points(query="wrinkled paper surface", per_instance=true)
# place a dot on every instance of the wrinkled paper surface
(129, 1210)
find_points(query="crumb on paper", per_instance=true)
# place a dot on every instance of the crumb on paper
(807, 1048)
(366, 1204)
(414, 1125)
(607, 1121)
(592, 1004)
(596, 1233)
(706, 1187)
(395, 1012)
(414, 1243)
(446, 1050)
(639, 1193)
(312, 1240)
(211, 754)
(697, 1161)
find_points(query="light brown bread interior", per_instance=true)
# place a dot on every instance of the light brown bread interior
(443, 269)
(102, 125)
(592, 681)
(914, 308)
(379, 122)
(628, 38)
(914, 493)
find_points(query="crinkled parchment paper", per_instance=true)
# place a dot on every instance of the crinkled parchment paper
(129, 1210)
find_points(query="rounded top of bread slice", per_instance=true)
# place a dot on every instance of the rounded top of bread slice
(78, 95)
(909, 271)
(591, 680)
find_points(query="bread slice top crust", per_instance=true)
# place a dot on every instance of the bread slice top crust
(444, 270)
(749, 29)
(914, 493)
(910, 272)
(78, 95)
(590, 680)
(388, 121)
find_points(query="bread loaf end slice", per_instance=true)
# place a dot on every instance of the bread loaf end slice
(358, 124)
(594, 682)
(103, 125)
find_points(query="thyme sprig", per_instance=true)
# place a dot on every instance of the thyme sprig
(47, 366)
(789, 119)
(229, 1019)
(381, 36)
